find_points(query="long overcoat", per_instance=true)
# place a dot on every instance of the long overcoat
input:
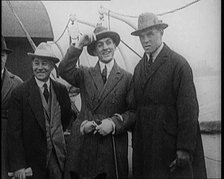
(91, 154)
(166, 118)
(8, 83)
(27, 128)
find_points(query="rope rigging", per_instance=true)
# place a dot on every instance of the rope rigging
(22, 26)
(161, 14)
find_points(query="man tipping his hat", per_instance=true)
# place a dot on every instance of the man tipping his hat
(167, 140)
(104, 97)
(8, 82)
(39, 113)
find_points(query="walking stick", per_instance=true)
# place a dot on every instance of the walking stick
(115, 156)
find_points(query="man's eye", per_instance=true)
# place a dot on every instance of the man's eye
(109, 42)
(99, 45)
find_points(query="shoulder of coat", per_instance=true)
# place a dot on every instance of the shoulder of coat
(15, 77)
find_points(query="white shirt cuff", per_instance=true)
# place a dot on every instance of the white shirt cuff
(120, 116)
(82, 127)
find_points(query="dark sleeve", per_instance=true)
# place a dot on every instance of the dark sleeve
(67, 113)
(16, 151)
(187, 108)
(128, 117)
(68, 69)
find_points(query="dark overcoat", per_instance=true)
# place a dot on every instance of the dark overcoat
(91, 154)
(8, 83)
(27, 129)
(166, 118)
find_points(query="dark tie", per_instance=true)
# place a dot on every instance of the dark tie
(104, 74)
(150, 59)
(46, 92)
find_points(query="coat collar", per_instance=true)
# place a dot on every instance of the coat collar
(113, 79)
(36, 103)
(96, 76)
(159, 61)
(7, 84)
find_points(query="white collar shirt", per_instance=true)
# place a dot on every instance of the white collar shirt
(156, 53)
(108, 65)
(41, 83)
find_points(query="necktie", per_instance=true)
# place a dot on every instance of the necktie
(46, 92)
(150, 59)
(104, 74)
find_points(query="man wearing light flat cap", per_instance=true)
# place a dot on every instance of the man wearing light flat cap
(39, 113)
(104, 97)
(166, 140)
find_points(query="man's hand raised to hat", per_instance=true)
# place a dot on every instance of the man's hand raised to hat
(85, 40)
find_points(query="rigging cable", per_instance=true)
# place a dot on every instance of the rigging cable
(23, 27)
(63, 31)
(161, 14)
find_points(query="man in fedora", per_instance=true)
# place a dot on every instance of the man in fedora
(104, 99)
(167, 140)
(39, 113)
(8, 82)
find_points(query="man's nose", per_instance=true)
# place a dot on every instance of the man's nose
(105, 46)
(40, 66)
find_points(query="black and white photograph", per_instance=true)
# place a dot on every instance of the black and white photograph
(111, 89)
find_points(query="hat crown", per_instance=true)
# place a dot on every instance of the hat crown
(44, 49)
(147, 20)
(100, 33)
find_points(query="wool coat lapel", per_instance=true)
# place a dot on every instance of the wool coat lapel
(36, 103)
(6, 86)
(97, 78)
(113, 79)
(160, 60)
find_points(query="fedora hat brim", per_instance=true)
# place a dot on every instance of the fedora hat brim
(111, 34)
(53, 59)
(160, 26)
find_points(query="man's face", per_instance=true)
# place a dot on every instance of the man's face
(151, 39)
(105, 49)
(42, 68)
(4, 58)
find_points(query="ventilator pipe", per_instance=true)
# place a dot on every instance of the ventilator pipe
(111, 14)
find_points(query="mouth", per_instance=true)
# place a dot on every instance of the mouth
(147, 46)
(107, 52)
(40, 73)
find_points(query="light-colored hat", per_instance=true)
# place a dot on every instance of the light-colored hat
(102, 32)
(146, 21)
(44, 50)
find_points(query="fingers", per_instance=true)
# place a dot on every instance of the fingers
(183, 158)
(89, 126)
(173, 165)
(105, 127)
(182, 162)
(86, 39)
(20, 174)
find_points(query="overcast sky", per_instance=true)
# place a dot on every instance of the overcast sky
(194, 32)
